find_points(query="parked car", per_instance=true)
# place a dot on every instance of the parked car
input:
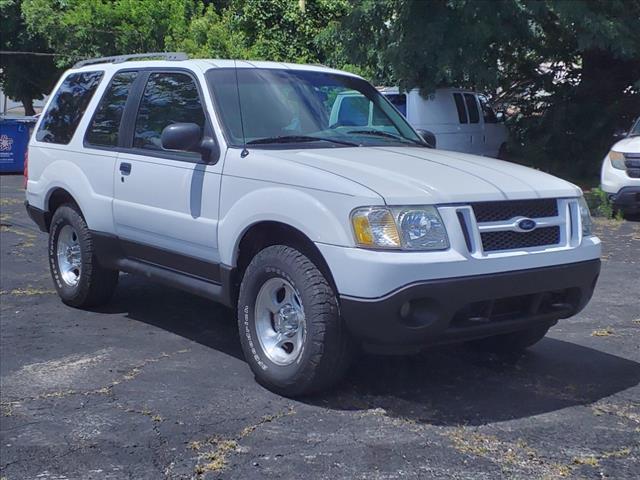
(620, 175)
(461, 120)
(228, 180)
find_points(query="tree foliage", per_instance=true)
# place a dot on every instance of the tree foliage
(92, 28)
(23, 77)
(570, 69)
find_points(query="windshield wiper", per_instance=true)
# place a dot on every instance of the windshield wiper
(298, 139)
(380, 133)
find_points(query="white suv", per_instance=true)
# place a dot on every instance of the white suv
(620, 175)
(228, 180)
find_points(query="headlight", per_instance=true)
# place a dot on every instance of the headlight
(617, 160)
(409, 228)
(585, 216)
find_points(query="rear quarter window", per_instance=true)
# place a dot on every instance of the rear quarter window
(462, 113)
(472, 108)
(105, 124)
(67, 107)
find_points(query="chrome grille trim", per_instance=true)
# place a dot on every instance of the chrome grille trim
(562, 230)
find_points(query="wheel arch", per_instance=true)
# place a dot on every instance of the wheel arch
(266, 233)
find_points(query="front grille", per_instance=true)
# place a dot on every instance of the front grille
(632, 162)
(497, 211)
(509, 240)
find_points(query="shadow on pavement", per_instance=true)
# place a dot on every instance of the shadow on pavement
(444, 386)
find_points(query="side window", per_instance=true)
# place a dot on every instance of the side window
(168, 98)
(105, 124)
(399, 101)
(487, 112)
(354, 111)
(472, 107)
(67, 107)
(462, 113)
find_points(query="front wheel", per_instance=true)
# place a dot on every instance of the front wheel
(290, 328)
(511, 342)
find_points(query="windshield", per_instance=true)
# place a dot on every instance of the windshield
(305, 108)
(635, 130)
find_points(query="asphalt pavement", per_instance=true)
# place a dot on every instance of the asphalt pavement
(154, 386)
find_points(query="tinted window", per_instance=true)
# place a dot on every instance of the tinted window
(67, 107)
(280, 106)
(354, 111)
(105, 124)
(472, 107)
(168, 98)
(487, 112)
(400, 102)
(462, 114)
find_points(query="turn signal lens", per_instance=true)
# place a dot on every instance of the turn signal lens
(375, 227)
(617, 160)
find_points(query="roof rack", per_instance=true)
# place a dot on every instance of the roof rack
(172, 56)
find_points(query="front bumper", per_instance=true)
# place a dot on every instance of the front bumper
(627, 199)
(465, 308)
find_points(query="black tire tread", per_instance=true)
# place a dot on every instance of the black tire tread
(331, 344)
(97, 283)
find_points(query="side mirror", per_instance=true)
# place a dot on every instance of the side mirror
(187, 137)
(428, 137)
(619, 134)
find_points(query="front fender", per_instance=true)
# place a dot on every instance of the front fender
(319, 215)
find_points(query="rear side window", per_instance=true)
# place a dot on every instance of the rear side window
(487, 112)
(462, 113)
(472, 107)
(168, 98)
(67, 107)
(399, 101)
(103, 130)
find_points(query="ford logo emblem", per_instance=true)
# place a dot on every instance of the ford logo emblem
(526, 224)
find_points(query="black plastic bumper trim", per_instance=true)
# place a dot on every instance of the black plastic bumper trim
(423, 313)
(627, 199)
(39, 217)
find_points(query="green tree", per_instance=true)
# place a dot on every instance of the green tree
(91, 28)
(571, 67)
(24, 77)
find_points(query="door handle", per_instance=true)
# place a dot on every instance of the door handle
(125, 168)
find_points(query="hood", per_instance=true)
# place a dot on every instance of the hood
(413, 176)
(628, 145)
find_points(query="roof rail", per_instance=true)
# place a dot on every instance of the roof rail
(173, 56)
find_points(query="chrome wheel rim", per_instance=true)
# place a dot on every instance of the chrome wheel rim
(280, 321)
(69, 256)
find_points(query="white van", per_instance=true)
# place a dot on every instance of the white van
(461, 120)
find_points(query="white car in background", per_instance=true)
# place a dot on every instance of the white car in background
(461, 120)
(620, 176)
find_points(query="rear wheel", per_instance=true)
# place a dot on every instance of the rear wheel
(78, 277)
(511, 342)
(290, 328)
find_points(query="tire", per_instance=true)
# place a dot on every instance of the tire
(318, 353)
(511, 342)
(77, 276)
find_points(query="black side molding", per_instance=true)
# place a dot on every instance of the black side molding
(196, 276)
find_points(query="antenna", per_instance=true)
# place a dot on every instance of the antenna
(244, 151)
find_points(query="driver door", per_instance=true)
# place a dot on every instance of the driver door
(166, 202)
